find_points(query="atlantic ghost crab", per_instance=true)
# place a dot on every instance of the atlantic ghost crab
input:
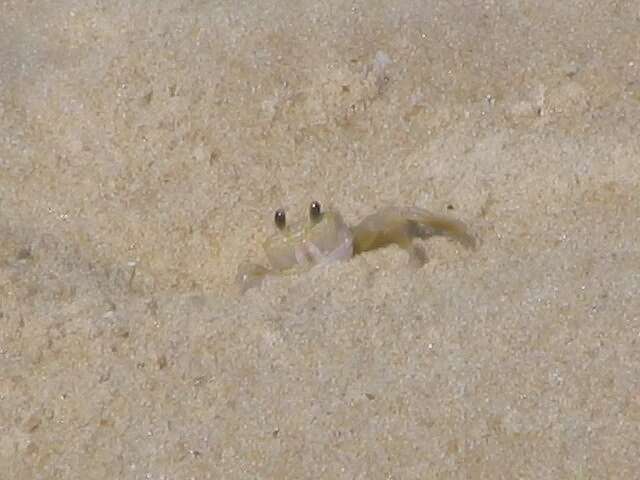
(326, 238)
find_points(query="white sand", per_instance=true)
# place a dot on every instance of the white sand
(143, 150)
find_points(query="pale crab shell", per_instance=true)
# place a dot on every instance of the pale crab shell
(308, 244)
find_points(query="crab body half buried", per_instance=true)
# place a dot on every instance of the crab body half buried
(326, 238)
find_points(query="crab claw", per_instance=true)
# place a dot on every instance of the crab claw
(250, 275)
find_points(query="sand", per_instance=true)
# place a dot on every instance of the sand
(144, 147)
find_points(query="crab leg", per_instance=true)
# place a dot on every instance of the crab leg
(401, 225)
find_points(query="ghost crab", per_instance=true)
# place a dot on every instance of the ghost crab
(326, 238)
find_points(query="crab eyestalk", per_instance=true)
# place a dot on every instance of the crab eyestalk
(280, 219)
(315, 212)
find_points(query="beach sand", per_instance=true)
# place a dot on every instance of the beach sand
(144, 147)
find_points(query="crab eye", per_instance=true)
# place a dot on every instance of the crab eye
(280, 218)
(314, 211)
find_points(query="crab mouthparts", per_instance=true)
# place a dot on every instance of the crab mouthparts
(309, 254)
